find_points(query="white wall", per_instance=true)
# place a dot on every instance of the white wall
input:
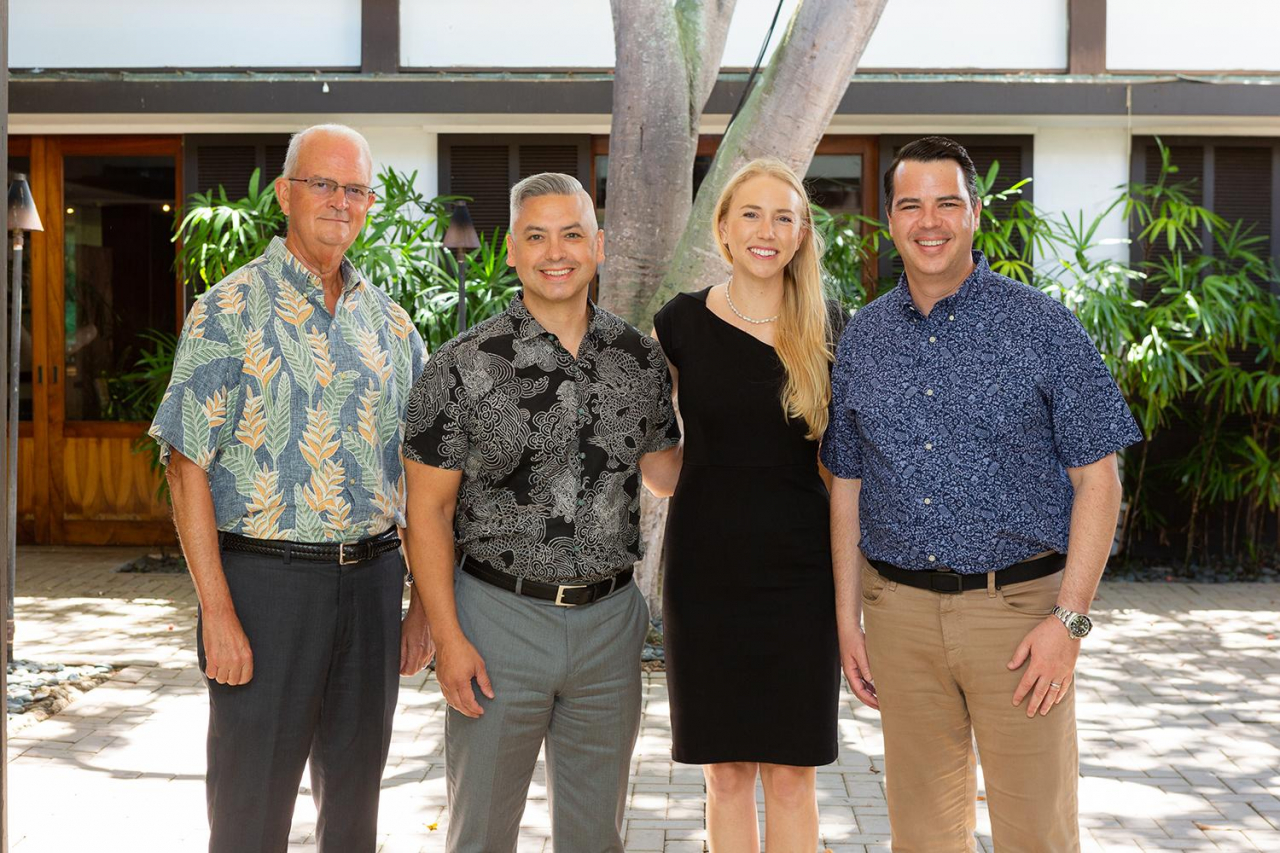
(406, 149)
(579, 34)
(184, 33)
(1189, 35)
(1080, 169)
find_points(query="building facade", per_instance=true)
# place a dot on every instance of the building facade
(119, 111)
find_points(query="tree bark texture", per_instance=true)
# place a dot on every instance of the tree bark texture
(668, 57)
(784, 117)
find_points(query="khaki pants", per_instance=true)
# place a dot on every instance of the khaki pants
(939, 663)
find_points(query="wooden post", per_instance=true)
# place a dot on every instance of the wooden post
(7, 533)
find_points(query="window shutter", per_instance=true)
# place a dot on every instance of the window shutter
(480, 173)
(484, 167)
(1242, 189)
(229, 161)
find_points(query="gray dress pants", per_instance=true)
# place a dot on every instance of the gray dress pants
(569, 676)
(326, 657)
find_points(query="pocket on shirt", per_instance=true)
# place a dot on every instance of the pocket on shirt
(1032, 598)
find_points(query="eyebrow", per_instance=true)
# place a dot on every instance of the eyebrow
(576, 226)
(758, 207)
(914, 200)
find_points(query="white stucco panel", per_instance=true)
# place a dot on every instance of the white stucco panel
(1080, 169)
(184, 33)
(1188, 35)
(579, 34)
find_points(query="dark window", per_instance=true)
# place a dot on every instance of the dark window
(1236, 177)
(228, 161)
(484, 167)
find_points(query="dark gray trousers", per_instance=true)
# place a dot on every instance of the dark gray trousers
(326, 656)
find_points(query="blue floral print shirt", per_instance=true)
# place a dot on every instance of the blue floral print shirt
(297, 415)
(961, 424)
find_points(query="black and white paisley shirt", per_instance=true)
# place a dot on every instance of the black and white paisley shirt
(962, 424)
(549, 445)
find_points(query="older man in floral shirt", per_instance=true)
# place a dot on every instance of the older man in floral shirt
(281, 429)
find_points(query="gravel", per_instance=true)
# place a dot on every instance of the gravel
(35, 687)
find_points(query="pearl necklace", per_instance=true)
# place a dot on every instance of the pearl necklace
(741, 316)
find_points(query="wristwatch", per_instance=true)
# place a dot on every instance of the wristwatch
(1078, 625)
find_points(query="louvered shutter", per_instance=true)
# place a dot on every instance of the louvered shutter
(480, 172)
(1242, 188)
(229, 161)
(485, 167)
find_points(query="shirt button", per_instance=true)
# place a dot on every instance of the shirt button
(932, 558)
(582, 411)
(928, 500)
(928, 392)
(932, 339)
(581, 502)
(928, 445)
(582, 455)
(951, 317)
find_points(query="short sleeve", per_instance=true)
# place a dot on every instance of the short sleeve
(201, 403)
(662, 430)
(1089, 415)
(663, 322)
(435, 429)
(841, 452)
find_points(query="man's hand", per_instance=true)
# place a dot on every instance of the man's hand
(228, 658)
(1053, 656)
(853, 660)
(457, 664)
(416, 647)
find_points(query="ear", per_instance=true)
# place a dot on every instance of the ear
(283, 186)
(511, 261)
(600, 246)
(977, 214)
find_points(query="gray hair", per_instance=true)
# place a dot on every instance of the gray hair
(295, 145)
(544, 183)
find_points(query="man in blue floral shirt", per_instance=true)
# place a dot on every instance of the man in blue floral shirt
(973, 437)
(282, 429)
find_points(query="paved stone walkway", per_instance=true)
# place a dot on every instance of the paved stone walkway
(1179, 704)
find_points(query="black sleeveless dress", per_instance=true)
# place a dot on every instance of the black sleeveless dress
(748, 602)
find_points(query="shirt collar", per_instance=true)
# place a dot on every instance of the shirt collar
(297, 274)
(975, 282)
(527, 326)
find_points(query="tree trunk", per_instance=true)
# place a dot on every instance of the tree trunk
(668, 57)
(783, 117)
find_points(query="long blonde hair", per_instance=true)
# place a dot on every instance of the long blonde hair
(803, 340)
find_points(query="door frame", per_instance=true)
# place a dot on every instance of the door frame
(49, 426)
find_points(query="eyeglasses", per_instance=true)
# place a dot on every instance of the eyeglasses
(325, 187)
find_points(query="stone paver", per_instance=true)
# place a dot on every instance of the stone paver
(1179, 707)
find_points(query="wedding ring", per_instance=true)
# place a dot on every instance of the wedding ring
(1053, 685)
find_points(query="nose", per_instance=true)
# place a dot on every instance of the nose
(929, 216)
(339, 201)
(765, 229)
(555, 248)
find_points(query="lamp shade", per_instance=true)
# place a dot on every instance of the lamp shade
(22, 208)
(461, 234)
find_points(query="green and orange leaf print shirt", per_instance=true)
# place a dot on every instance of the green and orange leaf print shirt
(297, 415)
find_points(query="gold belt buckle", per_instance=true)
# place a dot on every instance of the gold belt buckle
(560, 602)
(342, 559)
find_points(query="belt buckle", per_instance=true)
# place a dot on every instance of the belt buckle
(342, 558)
(560, 602)
(936, 576)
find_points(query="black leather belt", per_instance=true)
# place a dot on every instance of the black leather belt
(342, 553)
(949, 581)
(565, 595)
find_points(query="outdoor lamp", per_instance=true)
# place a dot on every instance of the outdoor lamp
(22, 217)
(460, 238)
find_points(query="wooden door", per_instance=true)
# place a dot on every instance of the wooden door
(101, 271)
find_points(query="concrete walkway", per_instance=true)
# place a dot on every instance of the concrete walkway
(1179, 704)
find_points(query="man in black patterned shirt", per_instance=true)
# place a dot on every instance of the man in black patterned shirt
(525, 437)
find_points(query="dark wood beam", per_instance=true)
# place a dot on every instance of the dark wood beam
(4, 396)
(1086, 36)
(380, 37)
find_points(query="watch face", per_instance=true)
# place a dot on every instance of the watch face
(1079, 625)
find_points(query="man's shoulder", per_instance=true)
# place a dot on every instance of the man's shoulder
(617, 332)
(496, 331)
(1025, 303)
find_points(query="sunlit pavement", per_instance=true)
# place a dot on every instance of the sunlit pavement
(1178, 694)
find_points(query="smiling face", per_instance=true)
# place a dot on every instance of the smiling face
(324, 223)
(932, 221)
(555, 247)
(762, 227)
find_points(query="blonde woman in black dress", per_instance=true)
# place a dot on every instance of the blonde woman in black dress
(748, 601)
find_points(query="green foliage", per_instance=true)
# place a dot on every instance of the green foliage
(1190, 330)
